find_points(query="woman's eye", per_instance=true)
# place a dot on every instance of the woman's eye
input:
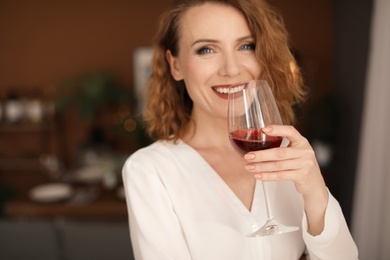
(204, 50)
(249, 46)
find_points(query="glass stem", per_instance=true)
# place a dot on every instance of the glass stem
(267, 202)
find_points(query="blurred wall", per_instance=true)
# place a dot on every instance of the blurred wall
(310, 26)
(44, 41)
(352, 20)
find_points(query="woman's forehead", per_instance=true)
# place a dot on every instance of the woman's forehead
(211, 20)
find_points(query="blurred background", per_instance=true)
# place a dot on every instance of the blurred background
(71, 77)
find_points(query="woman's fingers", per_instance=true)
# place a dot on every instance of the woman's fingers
(286, 131)
(275, 154)
(275, 166)
(297, 162)
(297, 170)
(277, 176)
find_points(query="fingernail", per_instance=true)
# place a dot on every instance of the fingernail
(249, 156)
(258, 176)
(267, 129)
(249, 167)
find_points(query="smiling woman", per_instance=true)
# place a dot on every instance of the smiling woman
(264, 40)
(210, 60)
(189, 194)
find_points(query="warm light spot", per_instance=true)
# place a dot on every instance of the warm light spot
(123, 111)
(130, 125)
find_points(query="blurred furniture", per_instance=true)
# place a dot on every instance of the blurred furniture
(106, 207)
(95, 228)
(28, 130)
(96, 240)
(28, 240)
(62, 240)
(22, 145)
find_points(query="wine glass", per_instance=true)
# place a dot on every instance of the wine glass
(252, 107)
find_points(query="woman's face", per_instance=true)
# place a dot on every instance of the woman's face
(216, 49)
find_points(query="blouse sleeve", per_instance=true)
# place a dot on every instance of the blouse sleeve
(335, 242)
(154, 228)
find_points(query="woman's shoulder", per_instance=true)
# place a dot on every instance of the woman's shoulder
(160, 156)
(158, 151)
(161, 147)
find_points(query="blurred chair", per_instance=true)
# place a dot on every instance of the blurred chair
(101, 240)
(21, 240)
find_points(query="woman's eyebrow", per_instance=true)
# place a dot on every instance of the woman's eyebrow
(214, 41)
(204, 41)
(245, 38)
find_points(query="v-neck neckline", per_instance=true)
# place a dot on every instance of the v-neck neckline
(255, 205)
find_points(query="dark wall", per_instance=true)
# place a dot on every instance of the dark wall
(351, 45)
(43, 42)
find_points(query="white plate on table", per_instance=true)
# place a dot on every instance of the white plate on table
(52, 192)
(89, 174)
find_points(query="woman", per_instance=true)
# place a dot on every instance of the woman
(189, 194)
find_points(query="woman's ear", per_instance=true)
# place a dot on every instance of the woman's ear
(174, 66)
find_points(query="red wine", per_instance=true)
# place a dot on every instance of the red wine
(247, 140)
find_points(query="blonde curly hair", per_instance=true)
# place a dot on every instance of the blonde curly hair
(168, 106)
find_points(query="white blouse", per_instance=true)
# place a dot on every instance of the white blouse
(179, 208)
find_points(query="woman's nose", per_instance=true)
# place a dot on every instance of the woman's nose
(229, 66)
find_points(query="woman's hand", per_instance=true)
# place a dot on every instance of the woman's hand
(297, 163)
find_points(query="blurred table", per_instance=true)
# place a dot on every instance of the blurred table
(106, 206)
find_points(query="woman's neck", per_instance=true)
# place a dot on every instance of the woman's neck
(203, 132)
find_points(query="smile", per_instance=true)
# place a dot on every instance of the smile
(223, 90)
(227, 90)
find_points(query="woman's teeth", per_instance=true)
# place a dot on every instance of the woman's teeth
(229, 90)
